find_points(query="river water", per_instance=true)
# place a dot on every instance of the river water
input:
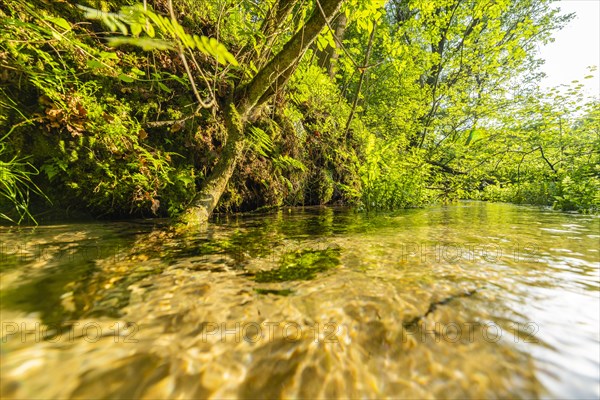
(468, 300)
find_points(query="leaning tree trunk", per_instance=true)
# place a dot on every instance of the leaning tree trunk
(244, 100)
(208, 196)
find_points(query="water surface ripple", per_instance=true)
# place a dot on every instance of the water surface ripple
(469, 300)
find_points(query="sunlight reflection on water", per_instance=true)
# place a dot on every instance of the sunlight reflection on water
(468, 300)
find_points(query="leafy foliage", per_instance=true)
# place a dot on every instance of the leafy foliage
(85, 140)
(16, 185)
(301, 265)
(139, 19)
(130, 122)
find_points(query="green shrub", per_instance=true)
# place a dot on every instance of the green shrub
(393, 180)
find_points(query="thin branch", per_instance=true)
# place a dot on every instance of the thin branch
(186, 66)
(360, 81)
(545, 159)
(338, 40)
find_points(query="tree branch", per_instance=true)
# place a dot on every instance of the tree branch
(249, 95)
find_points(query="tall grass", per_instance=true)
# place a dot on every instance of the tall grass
(16, 186)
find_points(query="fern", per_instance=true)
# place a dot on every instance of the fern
(288, 163)
(139, 20)
(260, 141)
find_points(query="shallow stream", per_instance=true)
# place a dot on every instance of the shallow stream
(468, 300)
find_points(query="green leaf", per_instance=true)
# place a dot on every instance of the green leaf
(212, 47)
(260, 140)
(227, 55)
(321, 43)
(149, 29)
(121, 27)
(253, 67)
(91, 13)
(200, 45)
(94, 64)
(136, 29)
(164, 87)
(470, 137)
(177, 78)
(126, 78)
(108, 55)
(109, 21)
(186, 179)
(138, 71)
(60, 22)
(145, 43)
